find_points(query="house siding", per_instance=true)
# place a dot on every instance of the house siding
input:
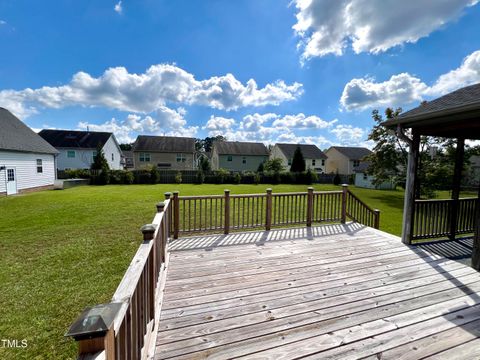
(337, 162)
(367, 182)
(318, 167)
(252, 162)
(25, 165)
(111, 147)
(165, 158)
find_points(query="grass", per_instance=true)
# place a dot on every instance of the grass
(65, 250)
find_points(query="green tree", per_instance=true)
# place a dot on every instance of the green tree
(274, 165)
(298, 162)
(99, 161)
(126, 147)
(204, 164)
(208, 142)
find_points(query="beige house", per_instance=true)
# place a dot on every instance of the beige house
(164, 152)
(315, 159)
(238, 156)
(344, 160)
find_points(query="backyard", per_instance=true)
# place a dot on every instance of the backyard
(65, 250)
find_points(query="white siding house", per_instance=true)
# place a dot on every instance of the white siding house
(27, 162)
(314, 158)
(77, 149)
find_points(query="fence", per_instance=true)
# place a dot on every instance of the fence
(224, 213)
(131, 334)
(433, 218)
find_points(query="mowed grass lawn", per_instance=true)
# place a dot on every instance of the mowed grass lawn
(64, 250)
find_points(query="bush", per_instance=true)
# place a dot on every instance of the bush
(77, 174)
(128, 177)
(142, 177)
(337, 180)
(200, 177)
(221, 176)
(178, 178)
(117, 177)
(237, 178)
(257, 178)
(154, 175)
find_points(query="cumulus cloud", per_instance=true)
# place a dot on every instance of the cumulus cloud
(165, 122)
(329, 27)
(160, 85)
(118, 7)
(404, 88)
(300, 121)
(349, 135)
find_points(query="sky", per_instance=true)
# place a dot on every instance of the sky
(295, 71)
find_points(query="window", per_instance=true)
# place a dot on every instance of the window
(10, 175)
(323, 162)
(289, 161)
(244, 160)
(365, 176)
(229, 158)
(181, 158)
(70, 153)
(313, 162)
(145, 157)
(39, 166)
(113, 158)
(94, 155)
(356, 163)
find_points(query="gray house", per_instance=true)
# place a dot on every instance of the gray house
(27, 162)
(164, 152)
(77, 149)
(314, 157)
(345, 160)
(238, 156)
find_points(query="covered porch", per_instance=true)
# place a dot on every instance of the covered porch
(457, 116)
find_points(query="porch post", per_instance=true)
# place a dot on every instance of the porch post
(457, 178)
(476, 238)
(409, 203)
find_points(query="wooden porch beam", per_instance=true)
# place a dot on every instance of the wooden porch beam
(457, 178)
(476, 238)
(409, 203)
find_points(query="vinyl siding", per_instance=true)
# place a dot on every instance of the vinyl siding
(278, 153)
(25, 165)
(252, 162)
(110, 148)
(163, 158)
(361, 181)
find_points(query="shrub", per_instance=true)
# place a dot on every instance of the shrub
(128, 177)
(154, 175)
(237, 178)
(200, 177)
(221, 176)
(337, 180)
(141, 177)
(178, 178)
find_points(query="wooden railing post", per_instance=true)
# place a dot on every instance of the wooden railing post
(176, 214)
(309, 206)
(163, 239)
(148, 230)
(168, 223)
(343, 218)
(226, 226)
(376, 219)
(268, 217)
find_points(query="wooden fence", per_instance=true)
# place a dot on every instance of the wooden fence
(224, 213)
(433, 218)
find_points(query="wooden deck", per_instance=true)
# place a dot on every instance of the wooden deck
(327, 292)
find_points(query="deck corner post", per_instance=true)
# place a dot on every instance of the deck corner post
(343, 218)
(268, 209)
(376, 219)
(309, 206)
(410, 189)
(176, 214)
(226, 226)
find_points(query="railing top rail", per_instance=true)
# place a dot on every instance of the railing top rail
(248, 195)
(290, 193)
(296, 193)
(196, 197)
(327, 192)
(443, 200)
(360, 201)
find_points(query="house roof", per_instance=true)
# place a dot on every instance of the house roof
(308, 151)
(75, 139)
(453, 115)
(362, 167)
(240, 148)
(164, 144)
(17, 136)
(353, 153)
(127, 153)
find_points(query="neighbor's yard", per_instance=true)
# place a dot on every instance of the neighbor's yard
(64, 250)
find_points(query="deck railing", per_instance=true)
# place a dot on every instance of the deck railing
(132, 333)
(224, 213)
(433, 218)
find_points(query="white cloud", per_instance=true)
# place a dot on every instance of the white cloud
(300, 121)
(218, 124)
(160, 85)
(165, 122)
(329, 27)
(3, 22)
(402, 89)
(118, 7)
(349, 135)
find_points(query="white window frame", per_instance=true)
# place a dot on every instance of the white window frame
(181, 157)
(39, 166)
(229, 158)
(144, 157)
(244, 159)
(71, 152)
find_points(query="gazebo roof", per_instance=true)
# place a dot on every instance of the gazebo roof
(455, 115)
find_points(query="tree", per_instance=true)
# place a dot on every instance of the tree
(208, 142)
(99, 161)
(274, 165)
(298, 162)
(204, 164)
(126, 147)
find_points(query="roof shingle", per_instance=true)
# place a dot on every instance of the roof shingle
(75, 139)
(164, 144)
(353, 153)
(16, 136)
(308, 151)
(240, 148)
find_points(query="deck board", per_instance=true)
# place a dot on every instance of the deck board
(328, 292)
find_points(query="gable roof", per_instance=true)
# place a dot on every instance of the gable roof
(353, 153)
(309, 151)
(240, 148)
(164, 144)
(17, 136)
(75, 139)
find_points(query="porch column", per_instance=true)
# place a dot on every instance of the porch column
(409, 203)
(476, 238)
(457, 178)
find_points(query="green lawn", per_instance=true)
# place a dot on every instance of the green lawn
(64, 250)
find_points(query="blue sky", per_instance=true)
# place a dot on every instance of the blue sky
(269, 70)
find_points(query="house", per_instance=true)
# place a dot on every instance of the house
(164, 152)
(27, 162)
(314, 157)
(345, 159)
(77, 149)
(238, 156)
(363, 180)
(127, 159)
